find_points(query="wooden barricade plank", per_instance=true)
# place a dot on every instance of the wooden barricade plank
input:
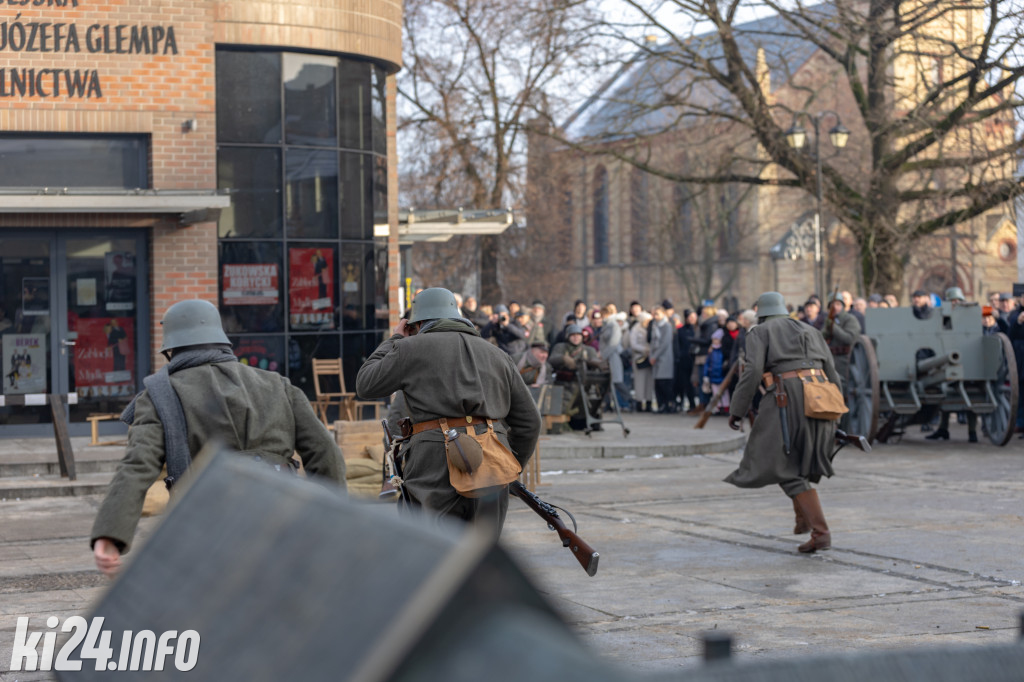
(65, 455)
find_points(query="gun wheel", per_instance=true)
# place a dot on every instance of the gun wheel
(862, 391)
(999, 424)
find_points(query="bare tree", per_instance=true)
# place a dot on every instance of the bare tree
(475, 70)
(706, 231)
(929, 88)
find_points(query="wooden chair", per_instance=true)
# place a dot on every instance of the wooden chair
(327, 398)
(350, 407)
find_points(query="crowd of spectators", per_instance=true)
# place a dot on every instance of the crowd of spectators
(665, 360)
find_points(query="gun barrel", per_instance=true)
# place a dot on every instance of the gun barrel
(929, 365)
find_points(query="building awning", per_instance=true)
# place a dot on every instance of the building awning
(441, 225)
(193, 206)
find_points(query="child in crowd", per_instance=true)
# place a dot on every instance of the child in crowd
(715, 369)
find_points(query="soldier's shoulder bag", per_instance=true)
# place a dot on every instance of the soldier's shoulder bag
(478, 463)
(822, 399)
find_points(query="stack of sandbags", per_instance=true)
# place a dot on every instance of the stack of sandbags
(362, 446)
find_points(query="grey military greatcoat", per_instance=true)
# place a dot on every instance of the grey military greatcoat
(448, 370)
(777, 345)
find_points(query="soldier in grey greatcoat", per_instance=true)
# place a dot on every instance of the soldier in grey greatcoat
(445, 370)
(255, 412)
(780, 345)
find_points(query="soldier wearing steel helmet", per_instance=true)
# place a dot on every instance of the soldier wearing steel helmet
(445, 370)
(253, 411)
(785, 447)
(568, 358)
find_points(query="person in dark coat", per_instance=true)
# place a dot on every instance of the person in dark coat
(249, 410)
(507, 333)
(922, 304)
(445, 370)
(1015, 322)
(841, 330)
(687, 350)
(787, 349)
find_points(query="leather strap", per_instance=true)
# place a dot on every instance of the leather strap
(453, 422)
(799, 373)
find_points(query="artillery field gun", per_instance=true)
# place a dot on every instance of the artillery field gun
(905, 371)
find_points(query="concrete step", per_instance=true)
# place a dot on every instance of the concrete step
(36, 486)
(22, 469)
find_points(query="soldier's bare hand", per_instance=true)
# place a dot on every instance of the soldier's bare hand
(735, 422)
(108, 557)
(402, 328)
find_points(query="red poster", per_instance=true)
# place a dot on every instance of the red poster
(250, 284)
(311, 287)
(105, 356)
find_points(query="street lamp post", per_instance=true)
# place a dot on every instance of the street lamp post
(796, 137)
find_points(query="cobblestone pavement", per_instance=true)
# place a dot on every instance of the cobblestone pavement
(927, 552)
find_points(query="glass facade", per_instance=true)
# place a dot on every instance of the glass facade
(301, 147)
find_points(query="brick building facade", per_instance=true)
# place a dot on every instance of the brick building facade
(156, 150)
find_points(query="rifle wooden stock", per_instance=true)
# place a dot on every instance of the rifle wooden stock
(715, 399)
(583, 552)
(859, 442)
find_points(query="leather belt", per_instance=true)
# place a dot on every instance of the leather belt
(453, 422)
(840, 350)
(799, 374)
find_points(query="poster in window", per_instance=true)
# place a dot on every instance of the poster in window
(24, 364)
(250, 284)
(120, 280)
(311, 288)
(104, 357)
(35, 296)
(257, 353)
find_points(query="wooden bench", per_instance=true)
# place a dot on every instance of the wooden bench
(94, 421)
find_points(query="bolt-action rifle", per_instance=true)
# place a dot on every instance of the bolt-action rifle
(392, 486)
(583, 552)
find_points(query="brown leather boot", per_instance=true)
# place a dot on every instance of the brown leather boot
(810, 509)
(801, 526)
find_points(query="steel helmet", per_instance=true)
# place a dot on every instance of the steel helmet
(771, 303)
(434, 304)
(955, 294)
(573, 329)
(191, 323)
